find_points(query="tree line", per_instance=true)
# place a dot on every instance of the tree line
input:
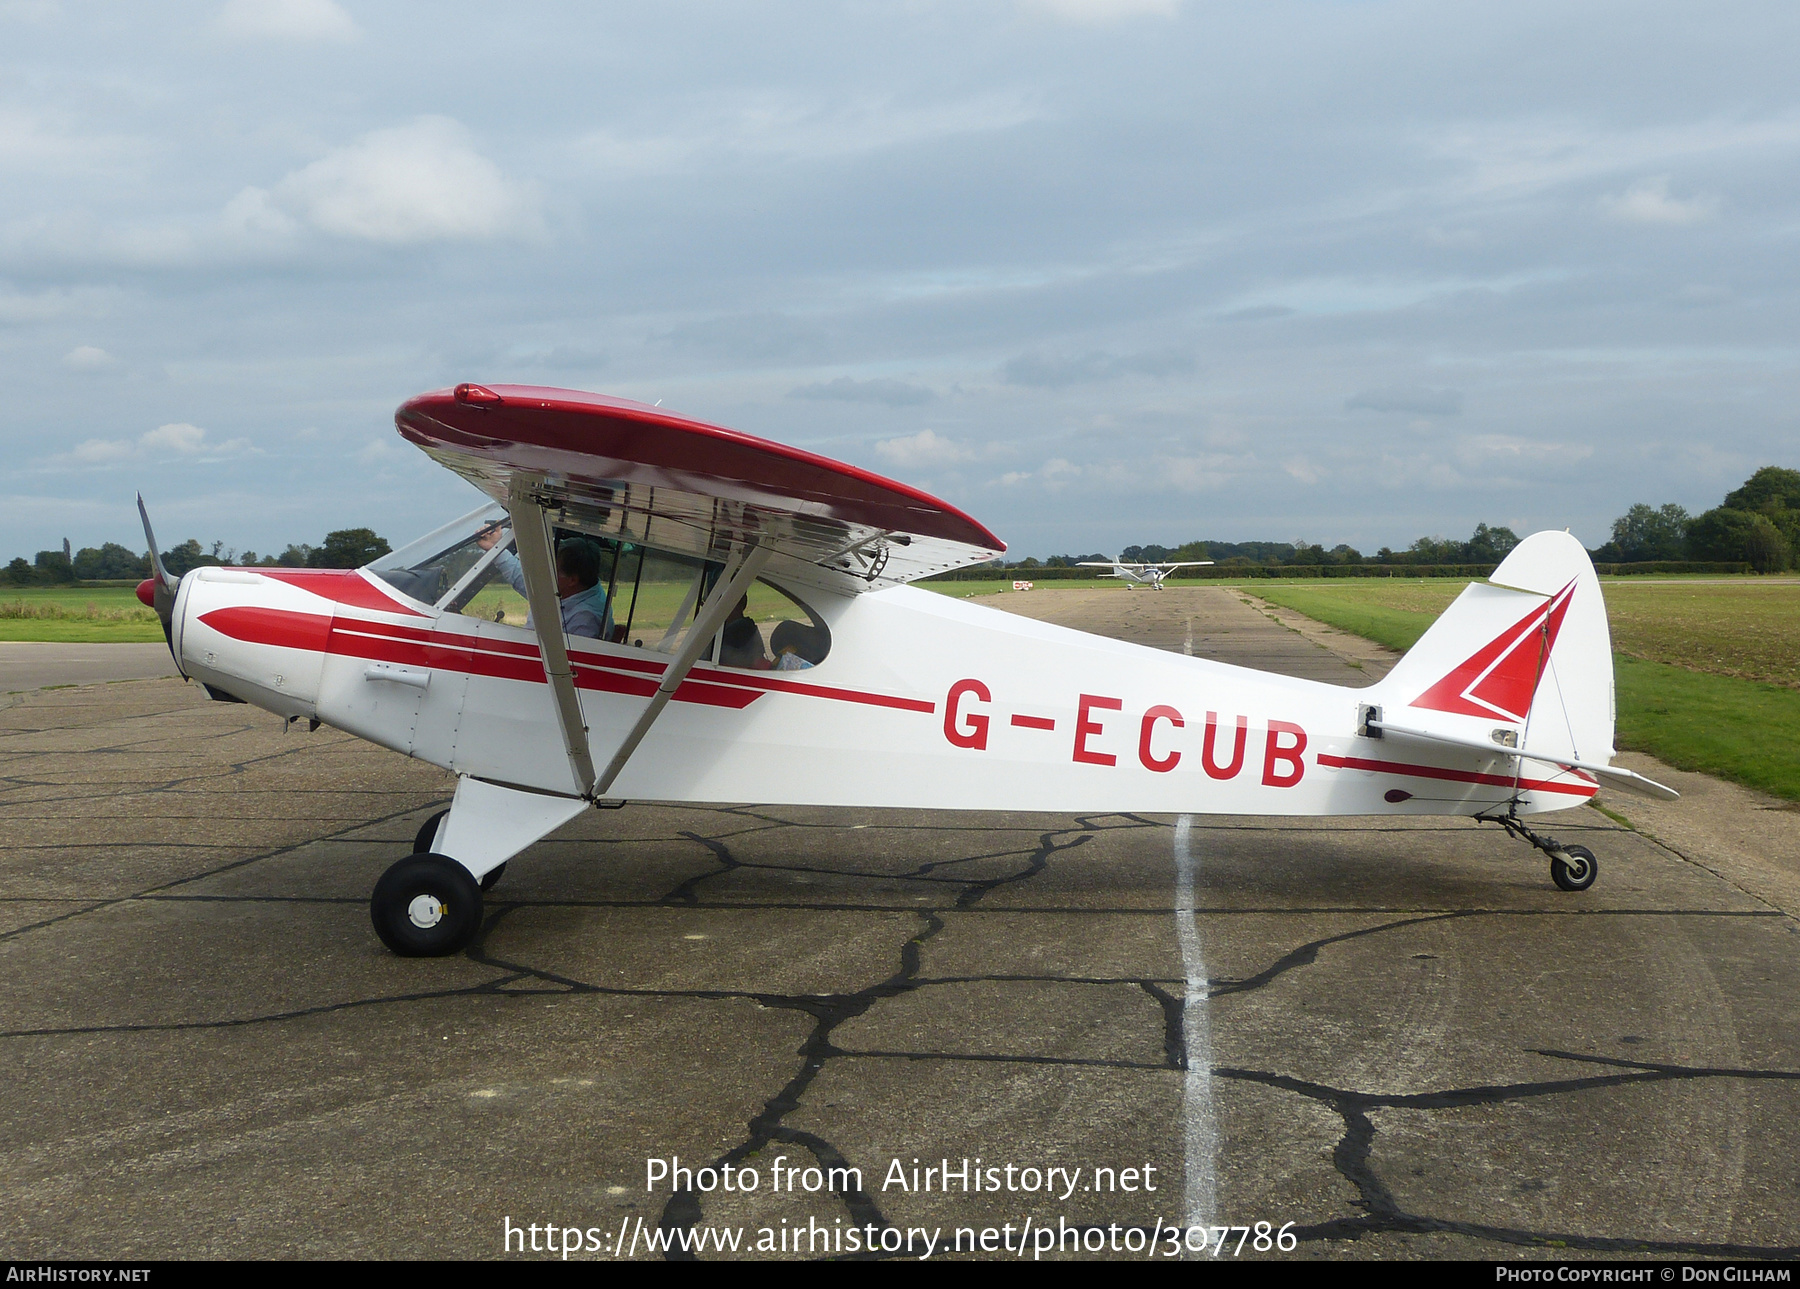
(345, 548)
(1757, 524)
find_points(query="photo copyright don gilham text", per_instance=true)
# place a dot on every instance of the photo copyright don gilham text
(1035, 1233)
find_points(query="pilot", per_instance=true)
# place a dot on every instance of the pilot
(584, 608)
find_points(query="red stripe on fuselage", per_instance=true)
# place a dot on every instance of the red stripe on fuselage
(513, 660)
(1579, 788)
(278, 627)
(343, 586)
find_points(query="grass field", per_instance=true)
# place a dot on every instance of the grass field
(76, 615)
(108, 614)
(964, 590)
(1707, 671)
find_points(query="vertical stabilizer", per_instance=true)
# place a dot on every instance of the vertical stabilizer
(1528, 652)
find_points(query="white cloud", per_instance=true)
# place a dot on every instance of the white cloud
(894, 393)
(177, 440)
(29, 139)
(1648, 202)
(419, 182)
(791, 128)
(1301, 468)
(1416, 400)
(1520, 156)
(1101, 11)
(1049, 371)
(923, 450)
(1136, 477)
(45, 306)
(88, 358)
(178, 437)
(253, 214)
(304, 21)
(1484, 455)
(104, 451)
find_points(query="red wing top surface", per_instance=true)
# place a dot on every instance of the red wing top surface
(651, 476)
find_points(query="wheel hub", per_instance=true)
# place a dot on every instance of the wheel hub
(426, 911)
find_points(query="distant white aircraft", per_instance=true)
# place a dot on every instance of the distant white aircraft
(1142, 574)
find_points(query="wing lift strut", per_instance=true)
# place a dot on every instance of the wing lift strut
(531, 529)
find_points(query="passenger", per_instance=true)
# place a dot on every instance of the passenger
(792, 641)
(741, 643)
(585, 611)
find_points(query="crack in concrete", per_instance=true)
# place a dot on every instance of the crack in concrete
(1383, 1212)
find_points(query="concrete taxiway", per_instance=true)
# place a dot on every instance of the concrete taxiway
(1395, 1035)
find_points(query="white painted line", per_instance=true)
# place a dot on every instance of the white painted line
(1199, 1121)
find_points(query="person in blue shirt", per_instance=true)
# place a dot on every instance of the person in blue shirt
(585, 611)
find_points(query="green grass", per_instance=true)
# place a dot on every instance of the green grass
(76, 615)
(1395, 617)
(1743, 730)
(964, 590)
(1705, 674)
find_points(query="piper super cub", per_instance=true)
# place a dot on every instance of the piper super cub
(745, 634)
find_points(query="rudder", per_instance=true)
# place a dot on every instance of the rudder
(1527, 650)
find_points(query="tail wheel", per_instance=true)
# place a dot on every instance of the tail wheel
(428, 831)
(426, 906)
(1574, 868)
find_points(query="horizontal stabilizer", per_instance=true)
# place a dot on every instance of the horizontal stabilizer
(1614, 775)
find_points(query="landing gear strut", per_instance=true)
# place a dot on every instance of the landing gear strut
(1573, 868)
(427, 835)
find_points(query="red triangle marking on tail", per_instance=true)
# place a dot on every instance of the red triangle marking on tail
(1501, 678)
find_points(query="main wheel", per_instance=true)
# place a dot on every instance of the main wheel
(426, 906)
(1574, 868)
(428, 831)
(491, 878)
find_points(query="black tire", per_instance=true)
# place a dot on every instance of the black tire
(426, 906)
(427, 833)
(1577, 872)
(491, 878)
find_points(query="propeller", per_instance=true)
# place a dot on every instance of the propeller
(158, 591)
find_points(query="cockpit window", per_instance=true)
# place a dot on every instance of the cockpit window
(772, 631)
(643, 597)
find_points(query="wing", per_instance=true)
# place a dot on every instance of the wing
(617, 468)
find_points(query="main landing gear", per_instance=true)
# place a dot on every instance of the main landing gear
(1573, 868)
(426, 906)
(429, 904)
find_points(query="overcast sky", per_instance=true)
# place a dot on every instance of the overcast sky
(1101, 272)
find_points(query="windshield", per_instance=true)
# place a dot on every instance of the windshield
(447, 567)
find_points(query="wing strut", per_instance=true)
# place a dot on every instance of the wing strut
(531, 529)
(724, 597)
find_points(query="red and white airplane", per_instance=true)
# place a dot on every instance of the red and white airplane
(864, 691)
